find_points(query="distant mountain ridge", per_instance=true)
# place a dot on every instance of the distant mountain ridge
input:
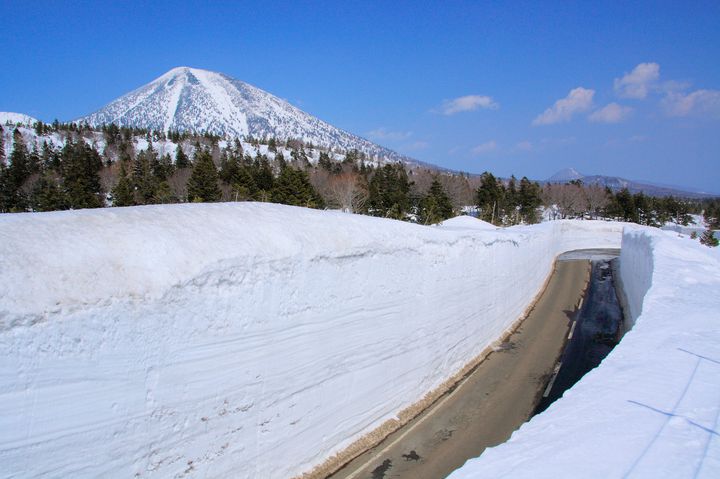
(617, 183)
(191, 99)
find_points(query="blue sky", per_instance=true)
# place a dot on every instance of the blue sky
(618, 88)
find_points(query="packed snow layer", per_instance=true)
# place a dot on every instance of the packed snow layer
(240, 340)
(651, 408)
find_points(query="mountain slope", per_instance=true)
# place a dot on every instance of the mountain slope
(616, 183)
(190, 99)
(11, 118)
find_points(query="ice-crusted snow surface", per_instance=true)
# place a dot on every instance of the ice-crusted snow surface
(240, 340)
(651, 408)
(191, 99)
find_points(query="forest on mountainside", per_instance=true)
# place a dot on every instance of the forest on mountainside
(92, 168)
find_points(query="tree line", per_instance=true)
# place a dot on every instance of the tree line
(46, 178)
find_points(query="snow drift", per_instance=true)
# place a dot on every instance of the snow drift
(241, 340)
(651, 409)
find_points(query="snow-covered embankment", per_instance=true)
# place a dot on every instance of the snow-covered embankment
(241, 340)
(651, 408)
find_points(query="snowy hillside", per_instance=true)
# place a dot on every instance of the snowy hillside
(190, 99)
(241, 340)
(164, 146)
(651, 409)
(10, 118)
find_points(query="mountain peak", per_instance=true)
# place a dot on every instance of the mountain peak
(196, 100)
(566, 174)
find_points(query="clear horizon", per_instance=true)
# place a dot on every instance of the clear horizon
(605, 88)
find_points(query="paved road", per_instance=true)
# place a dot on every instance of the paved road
(595, 332)
(493, 401)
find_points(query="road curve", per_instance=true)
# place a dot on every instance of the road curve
(491, 402)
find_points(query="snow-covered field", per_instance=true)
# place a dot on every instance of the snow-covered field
(241, 340)
(651, 409)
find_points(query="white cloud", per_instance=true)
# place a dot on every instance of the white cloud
(383, 134)
(578, 100)
(637, 83)
(699, 102)
(524, 146)
(486, 147)
(468, 103)
(611, 113)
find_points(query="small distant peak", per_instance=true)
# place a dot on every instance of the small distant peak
(567, 174)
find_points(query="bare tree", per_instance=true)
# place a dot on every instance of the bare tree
(347, 191)
(458, 190)
(109, 176)
(421, 179)
(569, 199)
(596, 198)
(178, 183)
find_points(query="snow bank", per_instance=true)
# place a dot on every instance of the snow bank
(240, 340)
(466, 222)
(651, 409)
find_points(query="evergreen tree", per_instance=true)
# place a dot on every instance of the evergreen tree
(48, 195)
(143, 180)
(293, 187)
(435, 206)
(181, 159)
(623, 206)
(7, 192)
(164, 169)
(229, 168)
(15, 175)
(34, 164)
(708, 238)
(2, 146)
(529, 200)
(643, 210)
(123, 194)
(202, 186)
(49, 157)
(712, 214)
(325, 162)
(262, 177)
(489, 198)
(164, 194)
(81, 165)
(389, 192)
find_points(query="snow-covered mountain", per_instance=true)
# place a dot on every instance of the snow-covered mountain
(190, 99)
(11, 118)
(567, 174)
(616, 183)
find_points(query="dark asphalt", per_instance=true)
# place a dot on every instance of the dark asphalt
(596, 332)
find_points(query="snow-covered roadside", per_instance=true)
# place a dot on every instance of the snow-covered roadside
(241, 340)
(651, 409)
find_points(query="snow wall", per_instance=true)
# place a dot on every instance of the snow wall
(241, 340)
(651, 408)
